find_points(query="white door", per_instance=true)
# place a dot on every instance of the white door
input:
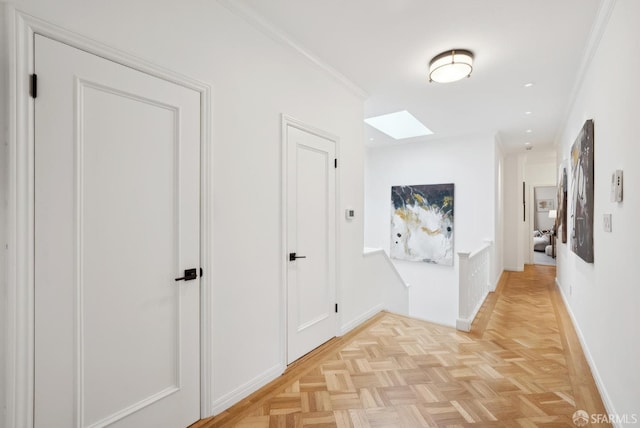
(311, 313)
(116, 221)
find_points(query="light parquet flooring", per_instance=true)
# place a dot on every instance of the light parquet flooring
(520, 366)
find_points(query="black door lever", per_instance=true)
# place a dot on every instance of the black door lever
(189, 274)
(293, 257)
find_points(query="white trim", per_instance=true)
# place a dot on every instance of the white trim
(283, 241)
(286, 121)
(360, 319)
(21, 259)
(597, 31)
(464, 324)
(241, 392)
(487, 244)
(532, 213)
(206, 252)
(494, 284)
(608, 404)
(437, 322)
(20, 226)
(258, 22)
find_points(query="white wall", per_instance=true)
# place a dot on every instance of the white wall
(542, 220)
(513, 212)
(384, 279)
(498, 245)
(4, 173)
(604, 297)
(469, 163)
(254, 80)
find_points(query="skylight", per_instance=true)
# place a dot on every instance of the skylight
(399, 125)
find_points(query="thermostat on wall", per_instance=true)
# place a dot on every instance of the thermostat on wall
(616, 186)
(350, 213)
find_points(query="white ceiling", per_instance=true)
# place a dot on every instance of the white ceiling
(384, 47)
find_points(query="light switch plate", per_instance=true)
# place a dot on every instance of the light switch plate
(606, 222)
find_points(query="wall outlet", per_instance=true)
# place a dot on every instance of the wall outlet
(606, 222)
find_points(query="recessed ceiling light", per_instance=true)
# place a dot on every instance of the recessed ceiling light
(399, 125)
(527, 143)
(528, 85)
(370, 139)
(527, 113)
(528, 131)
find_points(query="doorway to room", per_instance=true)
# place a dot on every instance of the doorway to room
(543, 234)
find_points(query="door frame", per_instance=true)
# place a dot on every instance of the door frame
(20, 32)
(290, 121)
(532, 213)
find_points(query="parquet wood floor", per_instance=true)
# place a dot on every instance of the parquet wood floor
(520, 366)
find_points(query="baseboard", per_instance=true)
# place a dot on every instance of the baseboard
(346, 328)
(228, 400)
(494, 286)
(514, 269)
(585, 349)
(432, 321)
(464, 324)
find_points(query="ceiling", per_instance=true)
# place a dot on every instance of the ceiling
(384, 47)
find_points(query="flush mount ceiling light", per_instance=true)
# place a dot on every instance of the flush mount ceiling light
(450, 66)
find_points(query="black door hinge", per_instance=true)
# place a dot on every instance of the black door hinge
(201, 272)
(336, 308)
(335, 163)
(33, 85)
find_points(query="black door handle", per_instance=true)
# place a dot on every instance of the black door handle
(293, 257)
(189, 274)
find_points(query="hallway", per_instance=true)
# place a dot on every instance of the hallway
(520, 366)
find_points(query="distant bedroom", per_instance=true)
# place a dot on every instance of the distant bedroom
(544, 248)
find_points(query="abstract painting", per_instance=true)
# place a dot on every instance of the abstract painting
(422, 223)
(544, 205)
(582, 193)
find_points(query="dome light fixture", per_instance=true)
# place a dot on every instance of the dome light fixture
(451, 66)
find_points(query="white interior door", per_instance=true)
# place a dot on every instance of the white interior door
(117, 155)
(311, 313)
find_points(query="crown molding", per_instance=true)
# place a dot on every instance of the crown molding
(257, 21)
(593, 42)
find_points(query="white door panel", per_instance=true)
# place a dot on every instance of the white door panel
(311, 291)
(116, 220)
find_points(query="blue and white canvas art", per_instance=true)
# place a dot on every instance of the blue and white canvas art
(422, 223)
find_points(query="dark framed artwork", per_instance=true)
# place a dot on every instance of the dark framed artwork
(422, 223)
(582, 191)
(561, 218)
